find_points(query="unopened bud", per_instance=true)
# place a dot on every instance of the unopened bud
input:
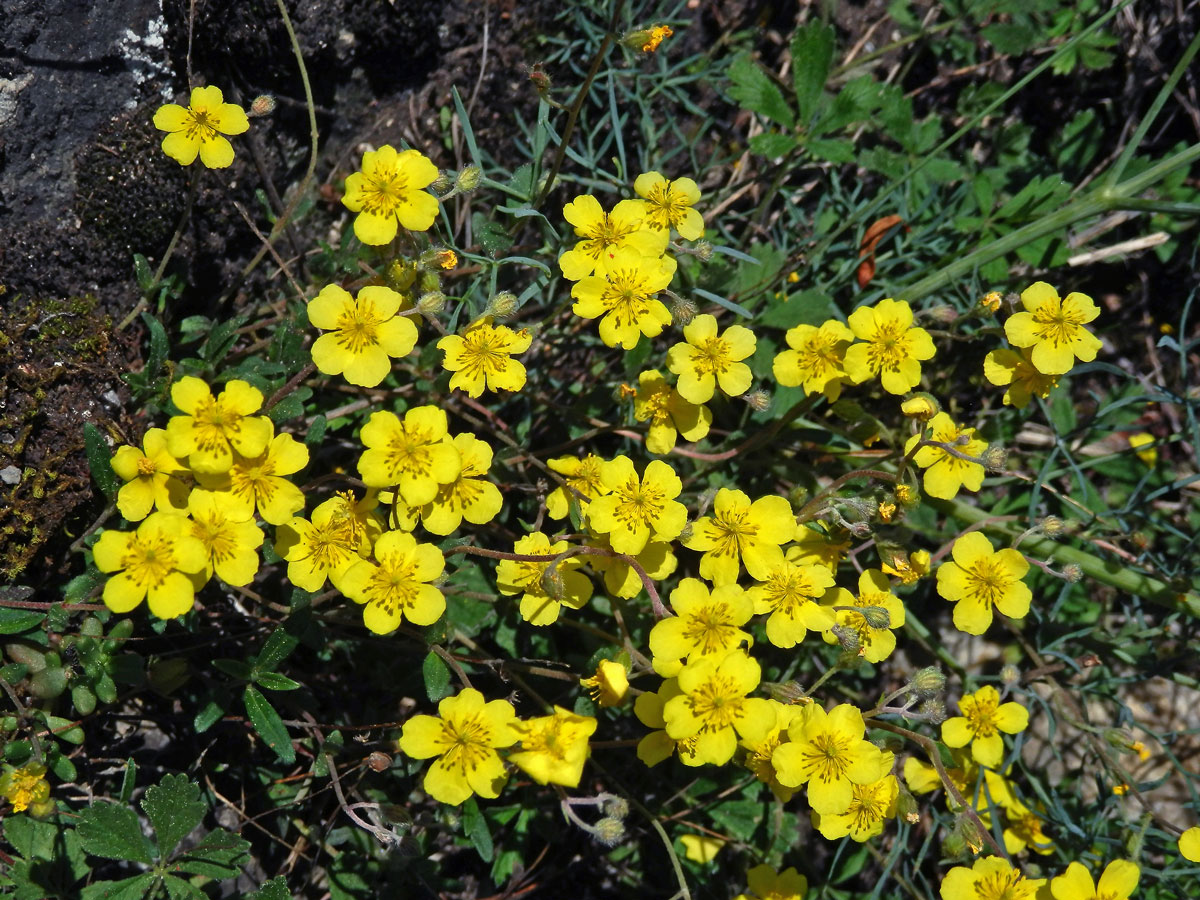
(847, 637)
(430, 281)
(991, 301)
(552, 582)
(966, 829)
(928, 682)
(442, 183)
(994, 459)
(953, 846)
(1052, 526)
(1119, 738)
(759, 401)
(609, 831)
(262, 105)
(798, 496)
(647, 39)
(1072, 573)
(934, 711)
(468, 179)
(431, 304)
(786, 692)
(400, 274)
(906, 806)
(876, 616)
(943, 314)
(503, 306)
(921, 407)
(703, 251)
(1010, 674)
(617, 807)
(379, 761)
(683, 310)
(540, 80)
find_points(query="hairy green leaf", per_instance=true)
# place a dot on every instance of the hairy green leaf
(113, 831)
(175, 808)
(268, 724)
(812, 58)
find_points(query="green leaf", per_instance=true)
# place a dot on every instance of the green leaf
(273, 681)
(112, 831)
(476, 828)
(832, 150)
(135, 888)
(1010, 37)
(178, 889)
(234, 668)
(208, 716)
(290, 407)
(100, 461)
(175, 808)
(773, 144)
(220, 340)
(220, 854)
(436, 674)
(78, 588)
(65, 729)
(128, 780)
(268, 724)
(738, 817)
(275, 889)
(811, 307)
(492, 236)
(812, 58)
(159, 346)
(753, 89)
(14, 621)
(143, 273)
(316, 431)
(283, 641)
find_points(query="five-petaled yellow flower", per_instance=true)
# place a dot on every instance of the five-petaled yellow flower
(872, 615)
(606, 234)
(638, 509)
(705, 360)
(1118, 881)
(152, 563)
(816, 360)
(363, 333)
(482, 357)
(668, 413)
(610, 685)
(668, 204)
(870, 804)
(229, 535)
(1016, 370)
(626, 297)
(152, 478)
(790, 592)
(257, 482)
(980, 578)
(1054, 328)
(945, 471)
(713, 708)
(1189, 844)
(704, 624)
(553, 748)
(990, 878)
(210, 430)
(829, 753)
(741, 533)
(388, 193)
(583, 482)
(409, 453)
(464, 736)
(544, 591)
(323, 547)
(983, 718)
(397, 586)
(468, 496)
(199, 128)
(893, 347)
(25, 787)
(764, 883)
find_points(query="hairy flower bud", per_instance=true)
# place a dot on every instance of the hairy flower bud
(928, 682)
(877, 617)
(994, 459)
(906, 806)
(1072, 573)
(965, 828)
(683, 310)
(442, 183)
(400, 274)
(934, 711)
(704, 251)
(647, 39)
(1010, 674)
(262, 105)
(921, 407)
(617, 807)
(430, 281)
(847, 637)
(468, 179)
(785, 692)
(540, 80)
(503, 306)
(798, 496)
(609, 831)
(432, 303)
(1052, 526)
(552, 582)
(378, 761)
(759, 401)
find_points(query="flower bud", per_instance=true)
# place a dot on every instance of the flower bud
(991, 301)
(953, 846)
(400, 274)
(1119, 738)
(1052, 526)
(906, 496)
(552, 582)
(431, 304)
(876, 616)
(759, 401)
(503, 306)
(647, 39)
(379, 761)
(944, 315)
(1072, 573)
(921, 407)
(994, 459)
(703, 251)
(928, 682)
(934, 711)
(847, 637)
(442, 183)
(609, 831)
(262, 105)
(798, 496)
(906, 806)
(445, 258)
(468, 179)
(1010, 674)
(965, 828)
(430, 281)
(786, 692)
(683, 310)
(540, 80)
(617, 807)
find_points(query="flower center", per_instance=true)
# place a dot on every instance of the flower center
(146, 466)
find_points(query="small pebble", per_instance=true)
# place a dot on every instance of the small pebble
(10, 475)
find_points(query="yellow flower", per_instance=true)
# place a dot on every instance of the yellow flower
(258, 482)
(325, 547)
(870, 804)
(620, 579)
(991, 301)
(363, 333)
(610, 685)
(874, 626)
(542, 602)
(468, 496)
(480, 357)
(704, 625)
(1189, 844)
(668, 204)
(409, 454)
(388, 192)
(983, 718)
(553, 748)
(821, 548)
(625, 295)
(790, 592)
(152, 477)
(583, 482)
(465, 737)
(893, 350)
(759, 753)
(397, 587)
(1142, 444)
(945, 472)
(704, 360)
(701, 848)
(229, 535)
(816, 360)
(766, 884)
(1054, 328)
(655, 36)
(25, 787)
(211, 429)
(637, 510)
(713, 707)
(152, 563)
(909, 570)
(658, 745)
(1015, 369)
(199, 128)
(1023, 829)
(668, 413)
(607, 234)
(1118, 881)
(828, 752)
(980, 578)
(741, 532)
(991, 878)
